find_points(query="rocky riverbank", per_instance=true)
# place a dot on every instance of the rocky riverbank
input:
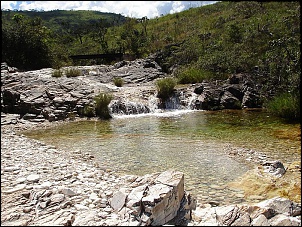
(38, 96)
(43, 185)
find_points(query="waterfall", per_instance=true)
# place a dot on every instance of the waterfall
(179, 101)
(126, 107)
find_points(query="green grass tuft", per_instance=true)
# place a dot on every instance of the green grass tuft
(101, 105)
(57, 73)
(72, 72)
(165, 87)
(118, 81)
(285, 105)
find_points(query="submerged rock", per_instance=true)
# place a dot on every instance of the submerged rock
(274, 168)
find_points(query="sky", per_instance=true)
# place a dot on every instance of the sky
(135, 9)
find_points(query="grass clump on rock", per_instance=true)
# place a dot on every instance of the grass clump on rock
(165, 87)
(118, 81)
(101, 105)
(57, 73)
(88, 111)
(72, 72)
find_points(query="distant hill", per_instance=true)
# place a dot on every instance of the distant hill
(52, 19)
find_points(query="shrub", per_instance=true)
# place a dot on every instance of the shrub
(285, 105)
(57, 73)
(101, 105)
(192, 75)
(165, 87)
(88, 111)
(189, 76)
(71, 115)
(118, 81)
(72, 72)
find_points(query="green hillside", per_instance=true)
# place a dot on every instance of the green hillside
(208, 42)
(52, 19)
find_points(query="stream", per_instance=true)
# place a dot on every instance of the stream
(191, 141)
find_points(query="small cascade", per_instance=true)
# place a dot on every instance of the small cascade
(126, 107)
(153, 103)
(179, 101)
(173, 103)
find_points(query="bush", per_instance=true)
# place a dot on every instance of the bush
(165, 87)
(285, 105)
(88, 111)
(118, 81)
(57, 73)
(72, 72)
(192, 75)
(101, 105)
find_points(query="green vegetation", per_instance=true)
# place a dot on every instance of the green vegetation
(72, 72)
(25, 43)
(285, 105)
(57, 73)
(191, 75)
(99, 108)
(118, 81)
(88, 111)
(101, 105)
(209, 42)
(165, 87)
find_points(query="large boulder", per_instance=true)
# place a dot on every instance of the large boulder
(156, 201)
(229, 101)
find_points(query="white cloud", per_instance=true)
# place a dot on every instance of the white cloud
(8, 5)
(177, 6)
(135, 9)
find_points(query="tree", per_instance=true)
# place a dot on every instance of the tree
(144, 22)
(24, 43)
(98, 32)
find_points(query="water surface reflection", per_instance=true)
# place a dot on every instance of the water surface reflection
(190, 141)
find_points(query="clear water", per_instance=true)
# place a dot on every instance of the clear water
(189, 141)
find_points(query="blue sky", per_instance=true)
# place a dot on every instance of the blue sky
(135, 9)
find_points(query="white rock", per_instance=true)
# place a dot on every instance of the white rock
(33, 178)
(21, 180)
(11, 168)
(19, 187)
(80, 207)
(118, 200)
(46, 184)
(261, 220)
(283, 220)
(93, 196)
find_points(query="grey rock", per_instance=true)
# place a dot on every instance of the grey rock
(57, 198)
(118, 200)
(68, 192)
(278, 204)
(284, 220)
(275, 168)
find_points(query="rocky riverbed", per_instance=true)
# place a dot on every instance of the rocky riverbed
(45, 185)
